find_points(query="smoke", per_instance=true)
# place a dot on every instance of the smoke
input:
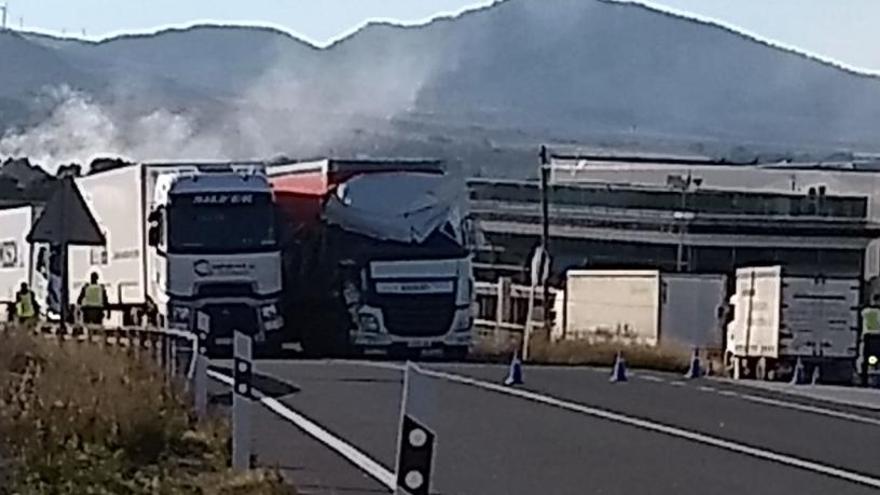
(292, 109)
(79, 129)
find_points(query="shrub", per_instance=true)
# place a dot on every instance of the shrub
(77, 418)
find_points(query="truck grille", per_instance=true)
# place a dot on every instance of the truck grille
(225, 289)
(423, 315)
(225, 318)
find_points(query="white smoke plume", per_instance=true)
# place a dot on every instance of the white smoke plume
(282, 113)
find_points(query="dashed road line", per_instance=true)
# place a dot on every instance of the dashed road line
(651, 378)
(704, 388)
(677, 383)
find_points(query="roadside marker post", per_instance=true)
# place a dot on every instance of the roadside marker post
(242, 399)
(200, 376)
(514, 372)
(618, 371)
(817, 375)
(695, 369)
(415, 449)
(797, 377)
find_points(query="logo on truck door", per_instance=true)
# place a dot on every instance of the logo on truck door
(205, 268)
(222, 199)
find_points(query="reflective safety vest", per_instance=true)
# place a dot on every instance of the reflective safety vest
(93, 297)
(24, 307)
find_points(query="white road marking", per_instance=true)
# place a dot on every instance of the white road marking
(370, 466)
(651, 378)
(769, 455)
(812, 409)
(677, 384)
(728, 393)
(704, 388)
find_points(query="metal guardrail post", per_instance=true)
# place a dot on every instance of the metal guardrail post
(200, 375)
(241, 401)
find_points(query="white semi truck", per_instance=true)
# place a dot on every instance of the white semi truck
(191, 246)
(779, 318)
(377, 256)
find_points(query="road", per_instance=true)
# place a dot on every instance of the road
(569, 431)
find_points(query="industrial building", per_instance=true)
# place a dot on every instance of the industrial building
(682, 214)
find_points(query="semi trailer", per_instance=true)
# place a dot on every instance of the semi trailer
(780, 319)
(376, 256)
(189, 245)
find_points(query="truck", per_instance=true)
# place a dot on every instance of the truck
(190, 246)
(779, 319)
(21, 261)
(16, 258)
(377, 256)
(642, 307)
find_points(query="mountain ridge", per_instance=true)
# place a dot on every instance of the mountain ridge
(484, 86)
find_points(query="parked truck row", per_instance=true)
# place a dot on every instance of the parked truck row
(763, 320)
(335, 256)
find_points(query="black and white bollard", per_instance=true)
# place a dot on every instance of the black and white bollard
(241, 402)
(415, 451)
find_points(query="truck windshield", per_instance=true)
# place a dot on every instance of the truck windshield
(221, 223)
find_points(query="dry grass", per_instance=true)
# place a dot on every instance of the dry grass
(583, 353)
(78, 419)
(579, 352)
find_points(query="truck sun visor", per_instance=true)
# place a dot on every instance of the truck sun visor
(402, 207)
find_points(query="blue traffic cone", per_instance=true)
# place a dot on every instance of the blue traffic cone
(797, 377)
(618, 372)
(514, 373)
(817, 375)
(695, 370)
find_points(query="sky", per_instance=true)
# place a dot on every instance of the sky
(843, 30)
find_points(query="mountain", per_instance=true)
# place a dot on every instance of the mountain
(484, 88)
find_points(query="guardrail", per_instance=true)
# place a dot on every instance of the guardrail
(178, 353)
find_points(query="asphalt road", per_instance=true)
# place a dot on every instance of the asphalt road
(579, 434)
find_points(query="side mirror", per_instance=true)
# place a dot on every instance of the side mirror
(153, 236)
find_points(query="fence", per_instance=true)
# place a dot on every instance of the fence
(503, 311)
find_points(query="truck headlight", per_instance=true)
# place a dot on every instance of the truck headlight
(269, 312)
(369, 323)
(872, 360)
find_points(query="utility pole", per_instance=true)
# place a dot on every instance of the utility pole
(5, 8)
(545, 235)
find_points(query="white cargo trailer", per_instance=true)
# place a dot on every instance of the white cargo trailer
(16, 258)
(780, 318)
(644, 307)
(192, 245)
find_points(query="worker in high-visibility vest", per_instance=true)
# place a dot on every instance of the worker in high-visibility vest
(26, 308)
(93, 301)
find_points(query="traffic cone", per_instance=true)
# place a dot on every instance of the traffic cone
(797, 377)
(695, 370)
(817, 375)
(514, 372)
(618, 372)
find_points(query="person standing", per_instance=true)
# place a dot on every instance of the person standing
(26, 308)
(93, 301)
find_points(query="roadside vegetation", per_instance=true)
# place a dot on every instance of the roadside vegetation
(82, 419)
